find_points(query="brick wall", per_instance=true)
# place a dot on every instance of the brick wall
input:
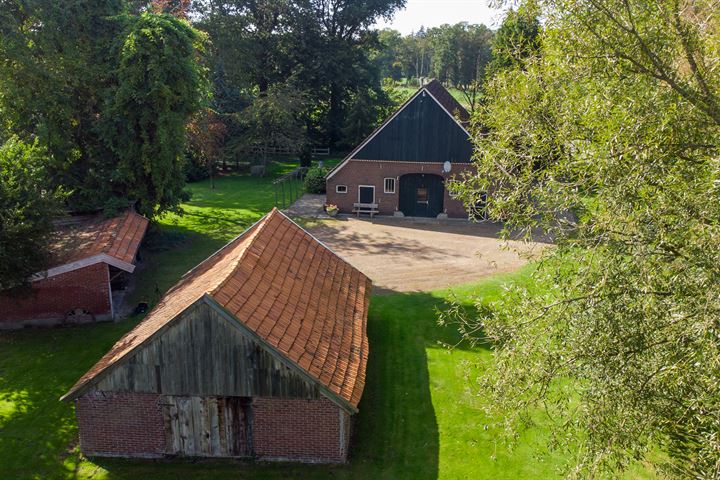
(300, 430)
(363, 172)
(120, 424)
(126, 424)
(48, 301)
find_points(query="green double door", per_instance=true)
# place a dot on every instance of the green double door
(421, 195)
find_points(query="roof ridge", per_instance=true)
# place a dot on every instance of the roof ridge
(322, 244)
(260, 226)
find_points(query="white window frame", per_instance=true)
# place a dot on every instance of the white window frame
(366, 186)
(337, 189)
(394, 181)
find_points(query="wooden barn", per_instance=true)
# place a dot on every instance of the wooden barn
(258, 352)
(401, 168)
(90, 259)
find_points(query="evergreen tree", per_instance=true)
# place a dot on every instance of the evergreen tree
(160, 85)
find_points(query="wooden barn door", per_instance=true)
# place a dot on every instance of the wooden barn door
(421, 195)
(207, 426)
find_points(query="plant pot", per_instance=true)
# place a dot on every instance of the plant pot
(332, 213)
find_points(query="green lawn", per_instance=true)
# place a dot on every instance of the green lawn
(417, 420)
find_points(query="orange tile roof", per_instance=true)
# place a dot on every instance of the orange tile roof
(287, 287)
(82, 237)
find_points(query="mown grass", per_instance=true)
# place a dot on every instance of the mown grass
(418, 419)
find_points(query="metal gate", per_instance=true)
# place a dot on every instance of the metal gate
(208, 426)
(421, 195)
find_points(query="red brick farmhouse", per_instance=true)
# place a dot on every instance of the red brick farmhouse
(89, 259)
(258, 352)
(402, 167)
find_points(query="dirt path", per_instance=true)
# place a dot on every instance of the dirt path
(411, 255)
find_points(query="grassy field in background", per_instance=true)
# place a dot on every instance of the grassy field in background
(407, 92)
(418, 418)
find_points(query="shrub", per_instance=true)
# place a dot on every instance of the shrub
(315, 180)
(194, 169)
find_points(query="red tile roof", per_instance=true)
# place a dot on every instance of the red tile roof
(287, 287)
(79, 238)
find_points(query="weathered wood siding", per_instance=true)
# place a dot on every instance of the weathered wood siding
(203, 354)
(208, 426)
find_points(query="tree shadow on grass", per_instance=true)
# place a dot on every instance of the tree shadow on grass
(38, 433)
(396, 433)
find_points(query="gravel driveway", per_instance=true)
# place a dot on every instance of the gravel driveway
(412, 255)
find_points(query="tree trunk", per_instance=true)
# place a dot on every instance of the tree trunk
(335, 114)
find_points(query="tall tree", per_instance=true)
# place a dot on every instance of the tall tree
(81, 53)
(273, 121)
(517, 39)
(251, 39)
(387, 57)
(619, 341)
(56, 70)
(340, 28)
(160, 85)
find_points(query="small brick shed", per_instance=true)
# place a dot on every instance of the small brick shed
(258, 352)
(89, 257)
(403, 166)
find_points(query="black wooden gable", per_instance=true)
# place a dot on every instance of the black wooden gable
(422, 131)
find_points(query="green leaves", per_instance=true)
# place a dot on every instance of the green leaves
(608, 141)
(28, 207)
(160, 84)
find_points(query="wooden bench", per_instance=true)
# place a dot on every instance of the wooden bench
(371, 208)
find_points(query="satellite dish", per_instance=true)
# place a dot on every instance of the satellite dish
(447, 166)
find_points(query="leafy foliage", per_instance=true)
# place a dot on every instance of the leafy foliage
(106, 91)
(206, 139)
(322, 46)
(609, 142)
(315, 180)
(160, 86)
(56, 71)
(454, 54)
(27, 208)
(273, 120)
(517, 39)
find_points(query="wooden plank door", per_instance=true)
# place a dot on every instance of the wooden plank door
(207, 426)
(421, 195)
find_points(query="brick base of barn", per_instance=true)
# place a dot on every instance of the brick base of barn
(124, 424)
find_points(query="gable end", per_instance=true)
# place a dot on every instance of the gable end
(205, 351)
(417, 142)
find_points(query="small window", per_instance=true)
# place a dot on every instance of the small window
(389, 185)
(422, 195)
(341, 189)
